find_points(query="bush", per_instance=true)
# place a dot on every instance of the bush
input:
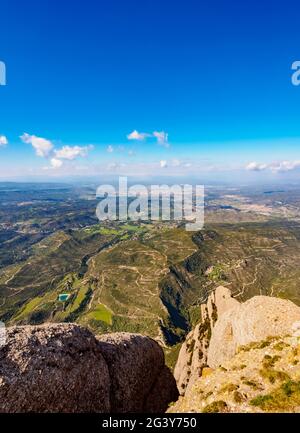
(283, 399)
(216, 406)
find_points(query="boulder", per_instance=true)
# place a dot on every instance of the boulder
(65, 368)
(140, 381)
(53, 368)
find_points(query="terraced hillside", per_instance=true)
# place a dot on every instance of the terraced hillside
(148, 278)
(112, 275)
(51, 260)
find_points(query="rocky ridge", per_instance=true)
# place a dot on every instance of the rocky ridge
(262, 377)
(65, 368)
(193, 354)
(251, 361)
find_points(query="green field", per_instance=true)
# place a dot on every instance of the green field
(102, 313)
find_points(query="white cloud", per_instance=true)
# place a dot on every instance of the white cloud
(135, 135)
(162, 138)
(3, 140)
(45, 148)
(72, 152)
(163, 164)
(254, 166)
(285, 166)
(279, 166)
(110, 149)
(56, 163)
(42, 146)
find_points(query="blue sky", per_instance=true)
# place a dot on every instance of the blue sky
(213, 79)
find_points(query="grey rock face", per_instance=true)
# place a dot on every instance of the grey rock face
(65, 368)
(53, 368)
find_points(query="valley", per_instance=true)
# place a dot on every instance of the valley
(146, 277)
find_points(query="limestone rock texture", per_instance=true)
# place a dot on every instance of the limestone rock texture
(193, 353)
(261, 377)
(252, 361)
(254, 320)
(65, 368)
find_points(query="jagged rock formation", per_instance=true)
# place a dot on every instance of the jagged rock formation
(253, 361)
(261, 377)
(254, 320)
(64, 368)
(194, 351)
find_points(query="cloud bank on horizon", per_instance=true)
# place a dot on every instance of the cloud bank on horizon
(60, 158)
(275, 167)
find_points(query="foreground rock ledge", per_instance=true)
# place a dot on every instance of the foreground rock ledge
(64, 368)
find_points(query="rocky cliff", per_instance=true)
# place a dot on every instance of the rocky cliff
(239, 358)
(192, 359)
(65, 368)
(251, 357)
